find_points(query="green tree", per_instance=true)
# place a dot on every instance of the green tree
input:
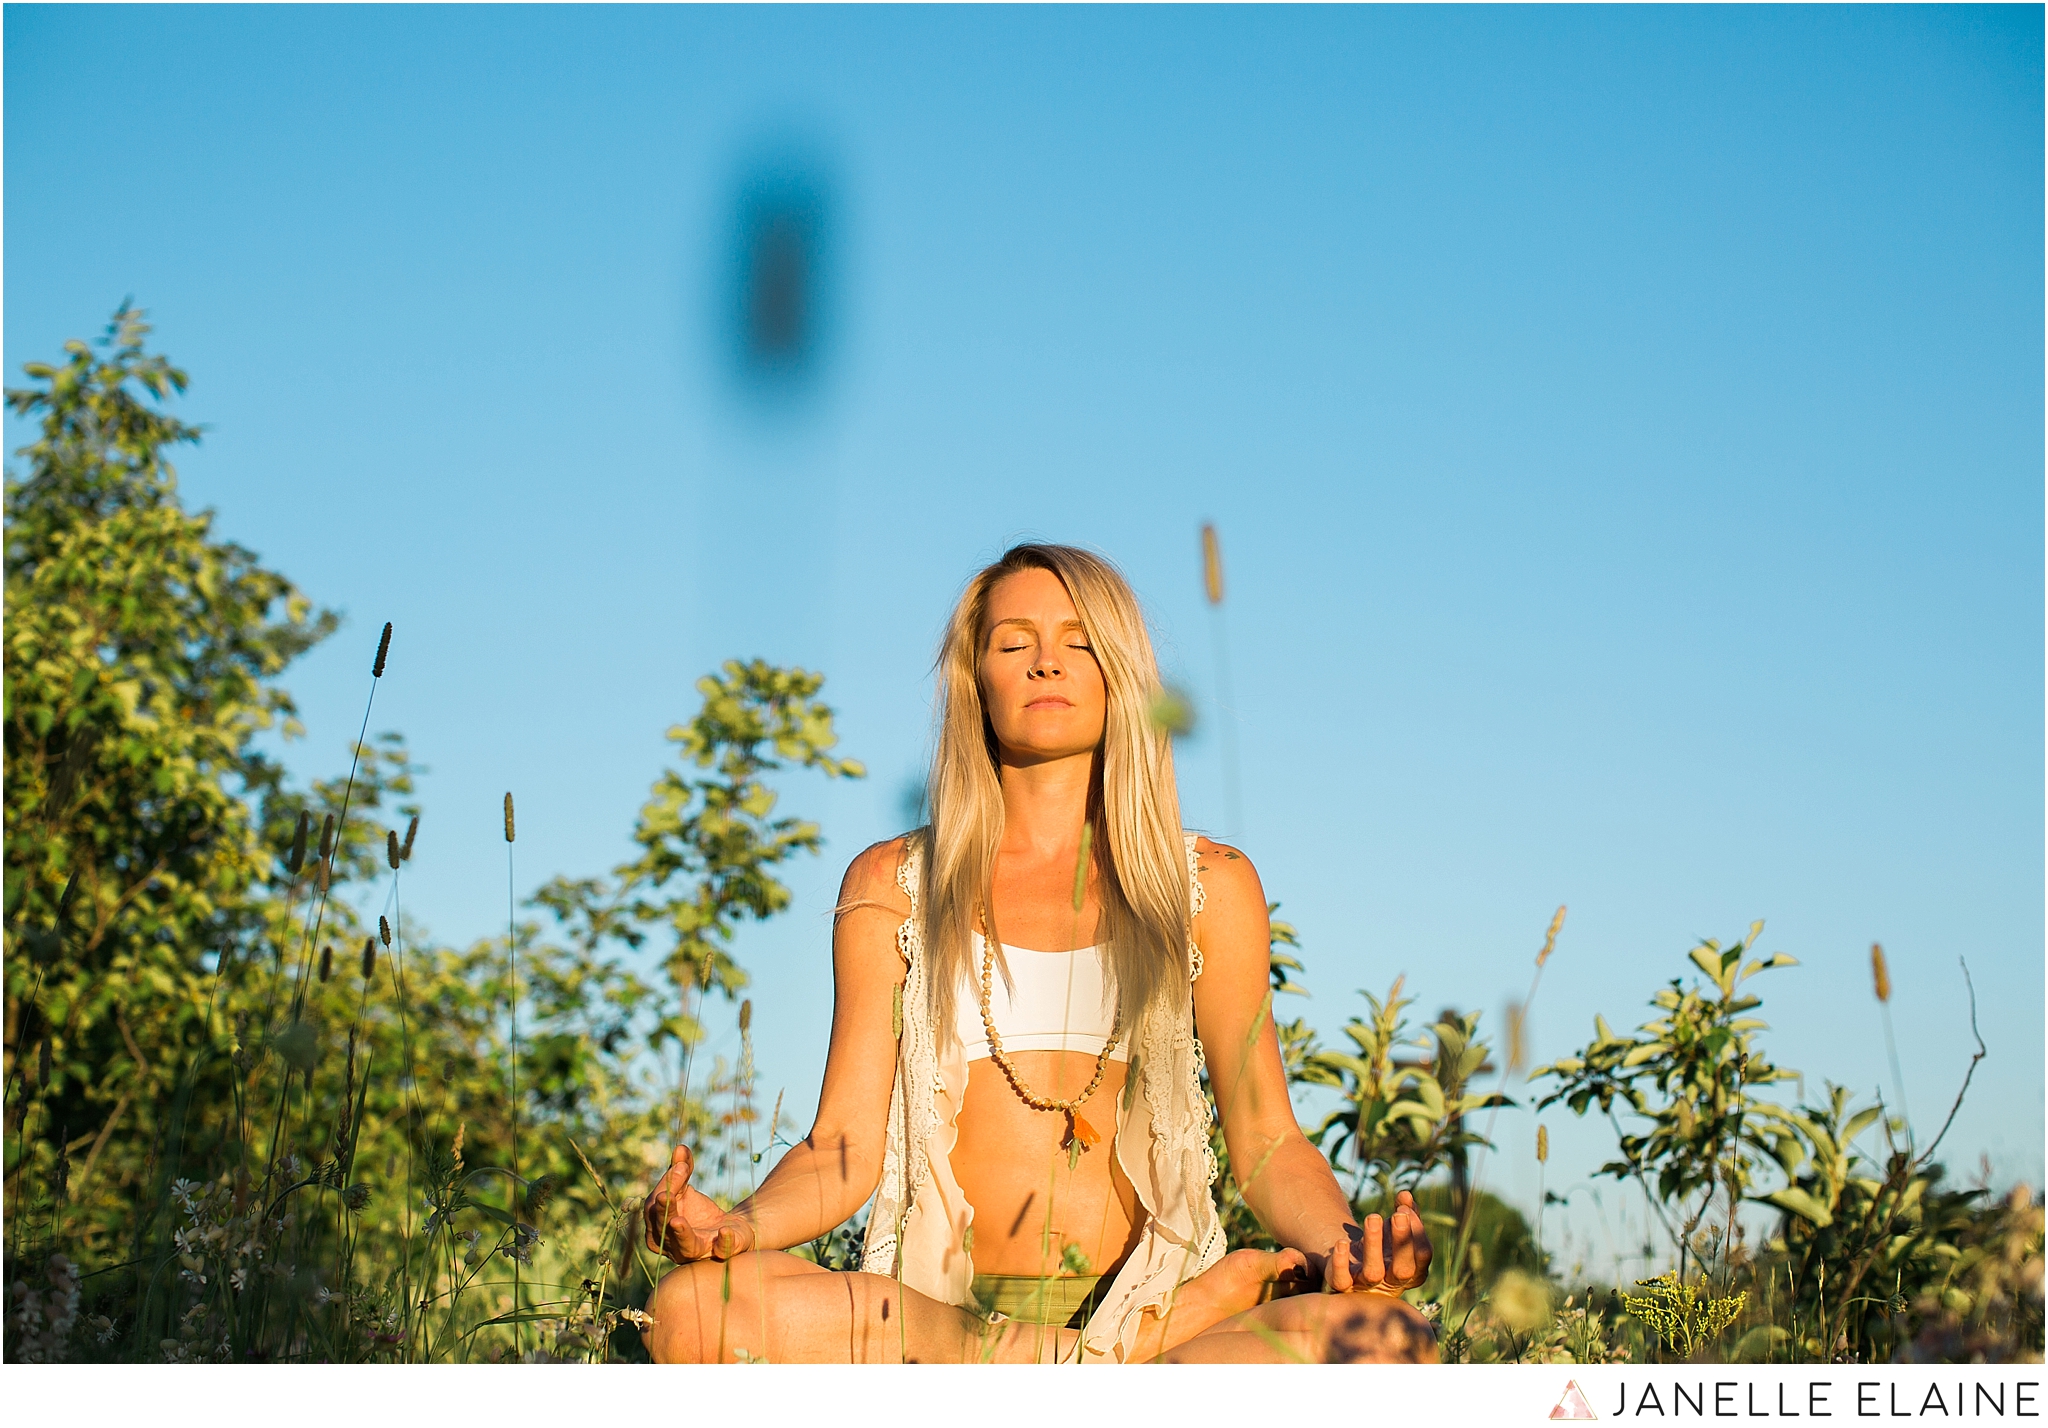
(140, 657)
(1689, 1078)
(270, 1123)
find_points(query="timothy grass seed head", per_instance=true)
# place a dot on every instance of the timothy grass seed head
(391, 848)
(326, 961)
(412, 831)
(384, 931)
(1542, 1144)
(1550, 937)
(383, 649)
(370, 956)
(508, 818)
(298, 857)
(1212, 564)
(327, 835)
(1880, 975)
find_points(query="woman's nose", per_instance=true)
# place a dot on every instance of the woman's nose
(1044, 669)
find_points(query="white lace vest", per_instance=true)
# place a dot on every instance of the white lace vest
(918, 1220)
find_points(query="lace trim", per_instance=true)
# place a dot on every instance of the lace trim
(905, 1166)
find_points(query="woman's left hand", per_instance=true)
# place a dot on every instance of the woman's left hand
(1382, 1256)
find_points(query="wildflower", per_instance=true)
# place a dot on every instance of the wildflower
(524, 1238)
(239, 1279)
(102, 1328)
(471, 1254)
(356, 1196)
(383, 649)
(291, 1167)
(181, 1191)
(638, 1318)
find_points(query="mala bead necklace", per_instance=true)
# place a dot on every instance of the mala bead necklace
(1080, 1135)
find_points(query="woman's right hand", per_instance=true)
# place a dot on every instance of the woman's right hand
(685, 1224)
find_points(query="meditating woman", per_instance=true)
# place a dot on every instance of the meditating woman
(1014, 1071)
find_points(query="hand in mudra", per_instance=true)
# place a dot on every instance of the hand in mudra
(685, 1224)
(1385, 1257)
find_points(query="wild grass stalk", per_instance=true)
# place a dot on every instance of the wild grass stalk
(512, 1003)
(333, 832)
(1881, 983)
(1511, 1065)
(1226, 707)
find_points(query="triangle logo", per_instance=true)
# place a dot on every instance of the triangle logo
(1573, 1405)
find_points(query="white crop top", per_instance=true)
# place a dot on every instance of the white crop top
(1054, 1003)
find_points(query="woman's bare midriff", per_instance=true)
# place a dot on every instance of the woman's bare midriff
(1029, 1206)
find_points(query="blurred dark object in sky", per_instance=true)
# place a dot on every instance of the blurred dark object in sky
(780, 294)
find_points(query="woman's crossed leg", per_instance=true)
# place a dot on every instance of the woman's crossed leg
(775, 1307)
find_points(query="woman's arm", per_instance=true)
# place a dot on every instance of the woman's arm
(1284, 1179)
(827, 1176)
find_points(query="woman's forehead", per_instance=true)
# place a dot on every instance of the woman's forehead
(1034, 597)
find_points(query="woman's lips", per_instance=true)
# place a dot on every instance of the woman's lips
(1050, 702)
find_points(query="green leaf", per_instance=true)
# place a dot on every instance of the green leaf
(1799, 1203)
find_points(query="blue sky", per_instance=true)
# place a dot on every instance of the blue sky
(1624, 426)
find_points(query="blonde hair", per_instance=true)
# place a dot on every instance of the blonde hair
(1139, 855)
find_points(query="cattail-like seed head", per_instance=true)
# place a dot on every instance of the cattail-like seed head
(1081, 865)
(384, 930)
(1550, 937)
(746, 1016)
(391, 849)
(1212, 565)
(383, 649)
(370, 956)
(412, 831)
(327, 835)
(326, 961)
(323, 873)
(508, 818)
(43, 1062)
(1542, 1144)
(298, 858)
(1880, 975)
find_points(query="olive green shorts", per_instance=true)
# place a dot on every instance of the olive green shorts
(1063, 1299)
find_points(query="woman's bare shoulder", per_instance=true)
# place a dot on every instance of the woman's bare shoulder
(1229, 881)
(870, 880)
